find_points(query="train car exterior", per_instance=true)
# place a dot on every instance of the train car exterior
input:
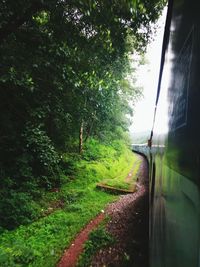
(141, 148)
(175, 151)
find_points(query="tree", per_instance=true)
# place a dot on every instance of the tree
(64, 69)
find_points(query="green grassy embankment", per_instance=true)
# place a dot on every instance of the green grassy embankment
(73, 206)
(121, 181)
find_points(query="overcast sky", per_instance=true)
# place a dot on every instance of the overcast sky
(147, 77)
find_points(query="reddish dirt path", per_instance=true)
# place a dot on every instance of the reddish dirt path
(71, 254)
(129, 225)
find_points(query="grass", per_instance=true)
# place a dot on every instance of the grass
(42, 242)
(123, 170)
(98, 239)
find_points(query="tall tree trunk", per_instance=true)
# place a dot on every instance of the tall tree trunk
(89, 130)
(81, 138)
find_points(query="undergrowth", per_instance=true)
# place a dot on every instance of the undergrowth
(98, 239)
(42, 242)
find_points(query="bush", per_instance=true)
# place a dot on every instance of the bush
(69, 162)
(43, 158)
(17, 208)
(94, 150)
(21, 255)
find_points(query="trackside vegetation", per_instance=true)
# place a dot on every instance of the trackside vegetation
(98, 239)
(42, 242)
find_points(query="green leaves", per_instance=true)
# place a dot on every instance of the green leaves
(42, 18)
(18, 208)
(45, 159)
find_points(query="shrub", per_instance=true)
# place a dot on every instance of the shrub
(17, 208)
(68, 163)
(95, 150)
(44, 160)
(20, 255)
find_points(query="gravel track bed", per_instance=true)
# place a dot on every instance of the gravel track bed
(129, 224)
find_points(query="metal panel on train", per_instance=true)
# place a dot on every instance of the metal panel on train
(175, 173)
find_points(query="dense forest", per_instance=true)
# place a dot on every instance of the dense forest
(66, 85)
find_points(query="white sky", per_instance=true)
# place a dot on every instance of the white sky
(147, 77)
